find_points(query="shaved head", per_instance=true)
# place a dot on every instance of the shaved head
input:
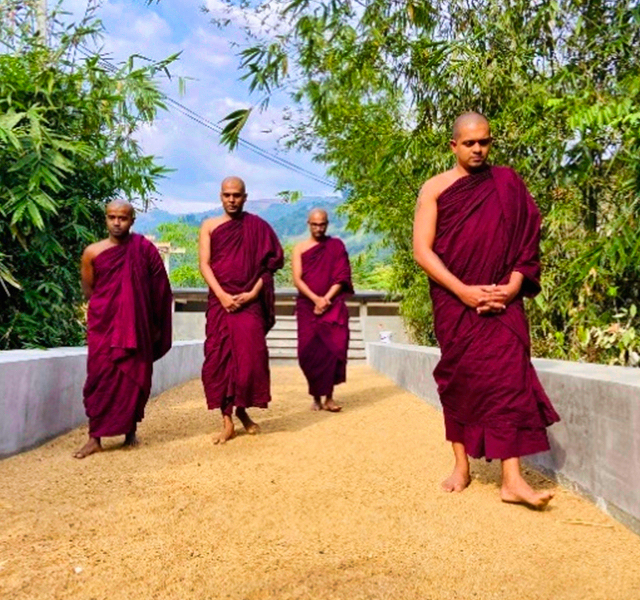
(233, 194)
(466, 119)
(119, 203)
(119, 215)
(318, 221)
(318, 213)
(235, 181)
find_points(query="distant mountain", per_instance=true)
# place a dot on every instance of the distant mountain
(148, 222)
(288, 219)
(270, 209)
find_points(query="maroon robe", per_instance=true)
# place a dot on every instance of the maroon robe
(488, 226)
(236, 364)
(323, 340)
(129, 327)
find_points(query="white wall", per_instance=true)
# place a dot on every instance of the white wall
(595, 449)
(41, 390)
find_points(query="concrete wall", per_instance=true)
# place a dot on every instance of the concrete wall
(595, 449)
(377, 313)
(41, 390)
(191, 325)
(373, 325)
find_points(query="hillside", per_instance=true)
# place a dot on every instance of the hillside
(289, 220)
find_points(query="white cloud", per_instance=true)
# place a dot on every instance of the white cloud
(146, 34)
(209, 49)
(268, 22)
(214, 91)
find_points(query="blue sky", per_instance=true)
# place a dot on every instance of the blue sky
(213, 91)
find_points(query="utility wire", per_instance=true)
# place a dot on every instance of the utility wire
(201, 120)
(187, 112)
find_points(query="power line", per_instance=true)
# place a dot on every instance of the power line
(187, 112)
(201, 120)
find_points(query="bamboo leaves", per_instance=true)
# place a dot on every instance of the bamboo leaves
(68, 124)
(382, 82)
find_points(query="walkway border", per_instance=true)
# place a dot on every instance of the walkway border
(41, 390)
(595, 449)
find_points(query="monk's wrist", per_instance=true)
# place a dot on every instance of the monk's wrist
(516, 280)
(458, 288)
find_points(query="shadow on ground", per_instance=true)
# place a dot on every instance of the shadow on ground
(490, 473)
(296, 421)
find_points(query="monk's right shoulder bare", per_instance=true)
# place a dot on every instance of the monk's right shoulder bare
(432, 188)
(209, 225)
(92, 250)
(301, 247)
(429, 191)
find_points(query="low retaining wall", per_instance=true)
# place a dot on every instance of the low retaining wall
(41, 390)
(595, 449)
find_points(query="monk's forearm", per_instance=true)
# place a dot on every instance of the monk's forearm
(431, 264)
(516, 279)
(304, 289)
(257, 288)
(86, 275)
(333, 291)
(211, 280)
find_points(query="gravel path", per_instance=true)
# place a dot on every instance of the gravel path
(320, 506)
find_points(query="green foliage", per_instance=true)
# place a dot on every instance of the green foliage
(369, 270)
(67, 146)
(284, 277)
(290, 196)
(184, 271)
(186, 276)
(235, 122)
(383, 80)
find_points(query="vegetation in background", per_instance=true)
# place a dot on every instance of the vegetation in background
(67, 146)
(369, 267)
(378, 84)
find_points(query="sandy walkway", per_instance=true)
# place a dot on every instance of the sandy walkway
(320, 506)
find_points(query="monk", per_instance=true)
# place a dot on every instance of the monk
(129, 327)
(239, 253)
(322, 274)
(476, 235)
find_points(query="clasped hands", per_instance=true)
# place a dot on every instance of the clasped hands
(489, 298)
(321, 305)
(233, 302)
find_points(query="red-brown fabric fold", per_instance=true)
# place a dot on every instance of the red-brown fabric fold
(236, 365)
(323, 340)
(488, 226)
(129, 327)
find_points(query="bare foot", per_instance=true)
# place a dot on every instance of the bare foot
(316, 404)
(131, 440)
(331, 406)
(228, 432)
(250, 427)
(457, 481)
(91, 447)
(520, 492)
